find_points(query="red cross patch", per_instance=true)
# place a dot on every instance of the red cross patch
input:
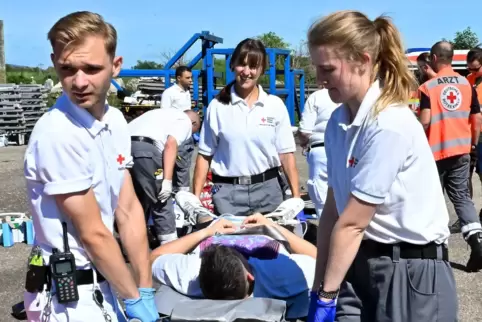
(352, 162)
(451, 98)
(120, 159)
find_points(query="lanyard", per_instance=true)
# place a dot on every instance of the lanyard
(98, 297)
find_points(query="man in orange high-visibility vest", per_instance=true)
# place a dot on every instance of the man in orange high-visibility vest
(450, 112)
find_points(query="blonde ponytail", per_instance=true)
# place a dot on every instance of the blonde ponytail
(353, 35)
(391, 67)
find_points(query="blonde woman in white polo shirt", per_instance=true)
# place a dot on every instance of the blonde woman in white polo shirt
(245, 138)
(382, 253)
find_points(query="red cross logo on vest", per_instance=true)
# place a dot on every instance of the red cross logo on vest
(120, 159)
(451, 97)
(263, 120)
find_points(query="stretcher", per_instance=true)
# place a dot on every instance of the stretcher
(174, 306)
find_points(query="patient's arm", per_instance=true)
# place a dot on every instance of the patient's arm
(298, 245)
(189, 242)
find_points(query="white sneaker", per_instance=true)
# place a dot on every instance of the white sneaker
(192, 207)
(288, 209)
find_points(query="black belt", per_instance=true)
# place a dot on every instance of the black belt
(257, 178)
(371, 248)
(143, 139)
(86, 277)
(316, 145)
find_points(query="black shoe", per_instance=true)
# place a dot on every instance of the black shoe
(456, 227)
(480, 216)
(475, 261)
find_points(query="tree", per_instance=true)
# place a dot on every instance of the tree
(300, 59)
(465, 39)
(147, 64)
(272, 40)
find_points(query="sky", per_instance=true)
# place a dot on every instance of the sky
(147, 28)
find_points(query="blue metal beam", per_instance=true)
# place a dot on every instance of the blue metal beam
(182, 51)
(411, 50)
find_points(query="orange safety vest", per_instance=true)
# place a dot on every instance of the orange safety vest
(472, 80)
(449, 133)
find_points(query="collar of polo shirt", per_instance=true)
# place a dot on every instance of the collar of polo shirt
(366, 106)
(82, 116)
(236, 99)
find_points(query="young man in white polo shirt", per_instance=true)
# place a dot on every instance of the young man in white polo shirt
(317, 112)
(178, 96)
(75, 166)
(156, 136)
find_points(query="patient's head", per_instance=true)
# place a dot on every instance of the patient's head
(225, 274)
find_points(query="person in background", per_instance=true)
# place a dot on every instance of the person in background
(317, 112)
(178, 96)
(156, 136)
(450, 113)
(424, 68)
(382, 237)
(245, 138)
(76, 171)
(474, 65)
(49, 83)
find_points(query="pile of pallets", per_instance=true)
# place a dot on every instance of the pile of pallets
(20, 108)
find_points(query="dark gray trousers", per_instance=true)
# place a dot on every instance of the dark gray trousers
(244, 200)
(394, 289)
(147, 165)
(182, 173)
(454, 177)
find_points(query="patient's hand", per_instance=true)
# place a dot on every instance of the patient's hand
(221, 226)
(257, 220)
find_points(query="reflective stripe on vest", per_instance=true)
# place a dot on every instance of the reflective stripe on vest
(450, 96)
(445, 145)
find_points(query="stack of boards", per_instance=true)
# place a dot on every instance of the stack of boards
(20, 108)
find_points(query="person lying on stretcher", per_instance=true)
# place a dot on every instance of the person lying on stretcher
(210, 263)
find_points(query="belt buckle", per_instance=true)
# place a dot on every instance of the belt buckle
(244, 180)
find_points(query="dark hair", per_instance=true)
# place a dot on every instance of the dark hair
(474, 54)
(444, 51)
(181, 69)
(424, 58)
(248, 52)
(223, 274)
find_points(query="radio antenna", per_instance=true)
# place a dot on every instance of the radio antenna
(65, 238)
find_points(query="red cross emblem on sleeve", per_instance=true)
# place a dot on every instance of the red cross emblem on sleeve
(120, 159)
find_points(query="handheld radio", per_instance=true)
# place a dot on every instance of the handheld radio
(62, 270)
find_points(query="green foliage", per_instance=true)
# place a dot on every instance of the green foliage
(272, 40)
(147, 64)
(465, 39)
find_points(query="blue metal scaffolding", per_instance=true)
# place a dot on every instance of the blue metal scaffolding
(208, 74)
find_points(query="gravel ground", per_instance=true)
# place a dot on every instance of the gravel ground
(12, 260)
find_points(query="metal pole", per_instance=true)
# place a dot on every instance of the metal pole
(3, 72)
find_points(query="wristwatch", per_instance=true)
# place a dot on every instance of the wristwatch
(327, 295)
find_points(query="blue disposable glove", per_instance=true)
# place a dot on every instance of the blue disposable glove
(321, 311)
(147, 296)
(136, 309)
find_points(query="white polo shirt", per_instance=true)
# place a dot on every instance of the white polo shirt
(176, 97)
(315, 116)
(386, 160)
(158, 124)
(246, 141)
(70, 151)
